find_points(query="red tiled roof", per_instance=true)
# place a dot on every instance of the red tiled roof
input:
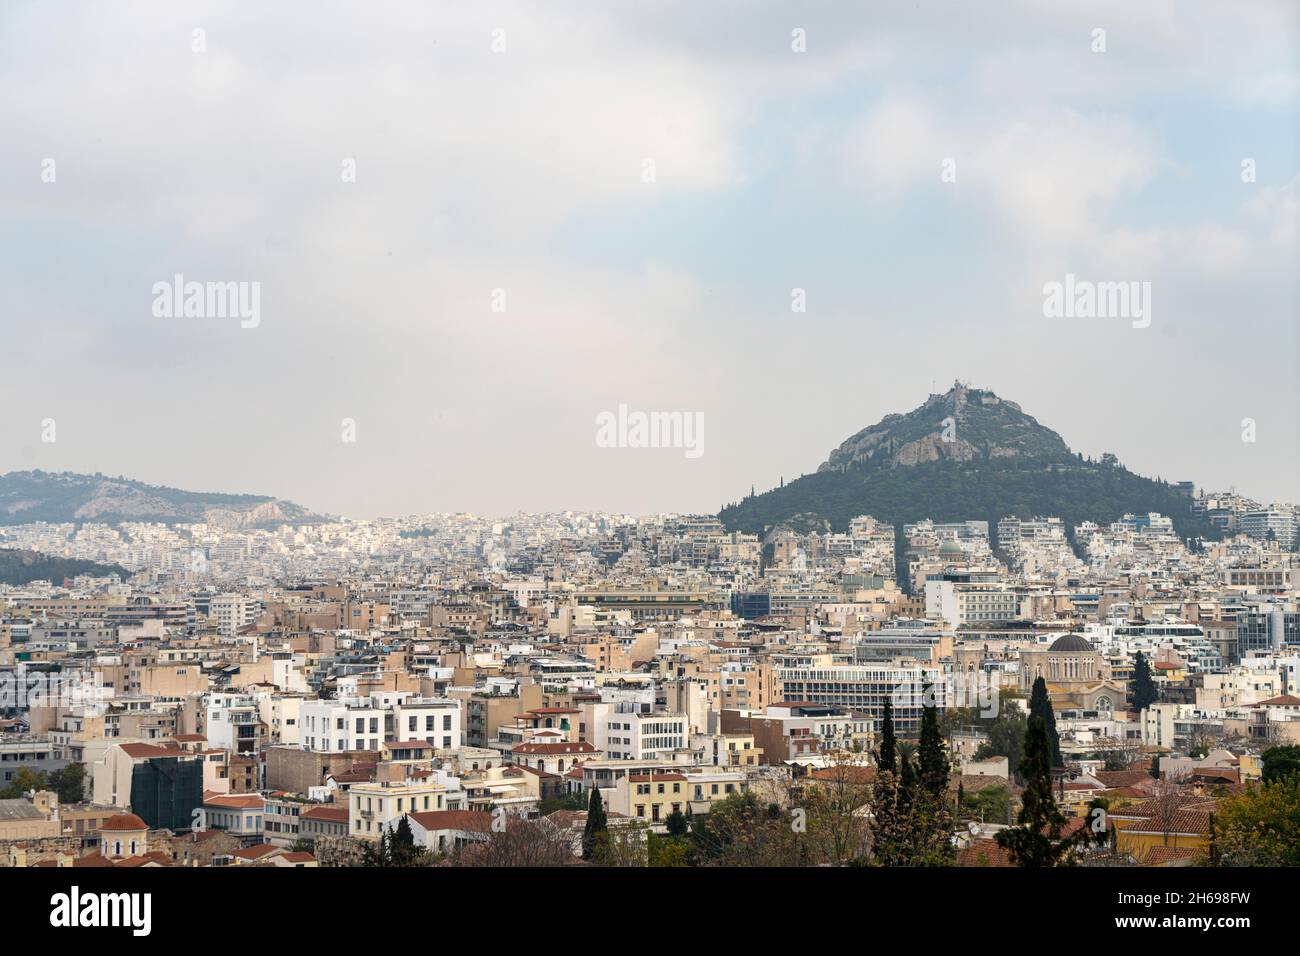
(327, 814)
(1165, 855)
(256, 852)
(474, 821)
(124, 822)
(236, 801)
(984, 853)
(145, 751)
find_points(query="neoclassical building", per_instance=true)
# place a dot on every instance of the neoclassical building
(1077, 677)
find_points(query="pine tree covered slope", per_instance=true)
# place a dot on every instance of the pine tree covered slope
(966, 454)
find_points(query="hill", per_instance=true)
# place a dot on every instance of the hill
(28, 496)
(23, 567)
(965, 454)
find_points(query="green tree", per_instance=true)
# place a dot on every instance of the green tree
(1280, 763)
(678, 825)
(1036, 839)
(991, 804)
(1142, 689)
(888, 758)
(932, 755)
(596, 824)
(667, 851)
(25, 780)
(1040, 705)
(739, 831)
(1260, 827)
(69, 783)
(402, 847)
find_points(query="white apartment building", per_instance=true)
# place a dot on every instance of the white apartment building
(863, 689)
(636, 736)
(959, 603)
(231, 722)
(232, 612)
(366, 723)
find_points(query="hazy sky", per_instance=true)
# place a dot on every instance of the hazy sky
(524, 170)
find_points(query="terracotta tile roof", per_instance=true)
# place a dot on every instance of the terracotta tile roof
(256, 852)
(984, 853)
(236, 801)
(326, 814)
(1166, 855)
(123, 821)
(474, 821)
(1122, 778)
(145, 751)
(152, 858)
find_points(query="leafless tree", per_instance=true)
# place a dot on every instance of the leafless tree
(521, 843)
(1168, 797)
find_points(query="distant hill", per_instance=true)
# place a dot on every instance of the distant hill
(28, 496)
(22, 567)
(965, 454)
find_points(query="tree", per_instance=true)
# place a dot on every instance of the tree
(1142, 689)
(990, 804)
(678, 825)
(1036, 839)
(395, 847)
(624, 846)
(668, 852)
(378, 852)
(835, 801)
(23, 782)
(739, 831)
(521, 843)
(596, 824)
(888, 758)
(907, 776)
(69, 783)
(1260, 827)
(402, 848)
(1040, 705)
(1168, 797)
(570, 801)
(1280, 763)
(932, 756)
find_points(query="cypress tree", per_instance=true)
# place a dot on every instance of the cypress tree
(1040, 705)
(907, 774)
(1142, 688)
(888, 759)
(1036, 838)
(932, 756)
(596, 824)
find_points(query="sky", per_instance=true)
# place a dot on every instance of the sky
(477, 228)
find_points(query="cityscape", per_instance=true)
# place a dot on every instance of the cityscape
(848, 450)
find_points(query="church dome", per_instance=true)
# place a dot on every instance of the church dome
(1069, 643)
